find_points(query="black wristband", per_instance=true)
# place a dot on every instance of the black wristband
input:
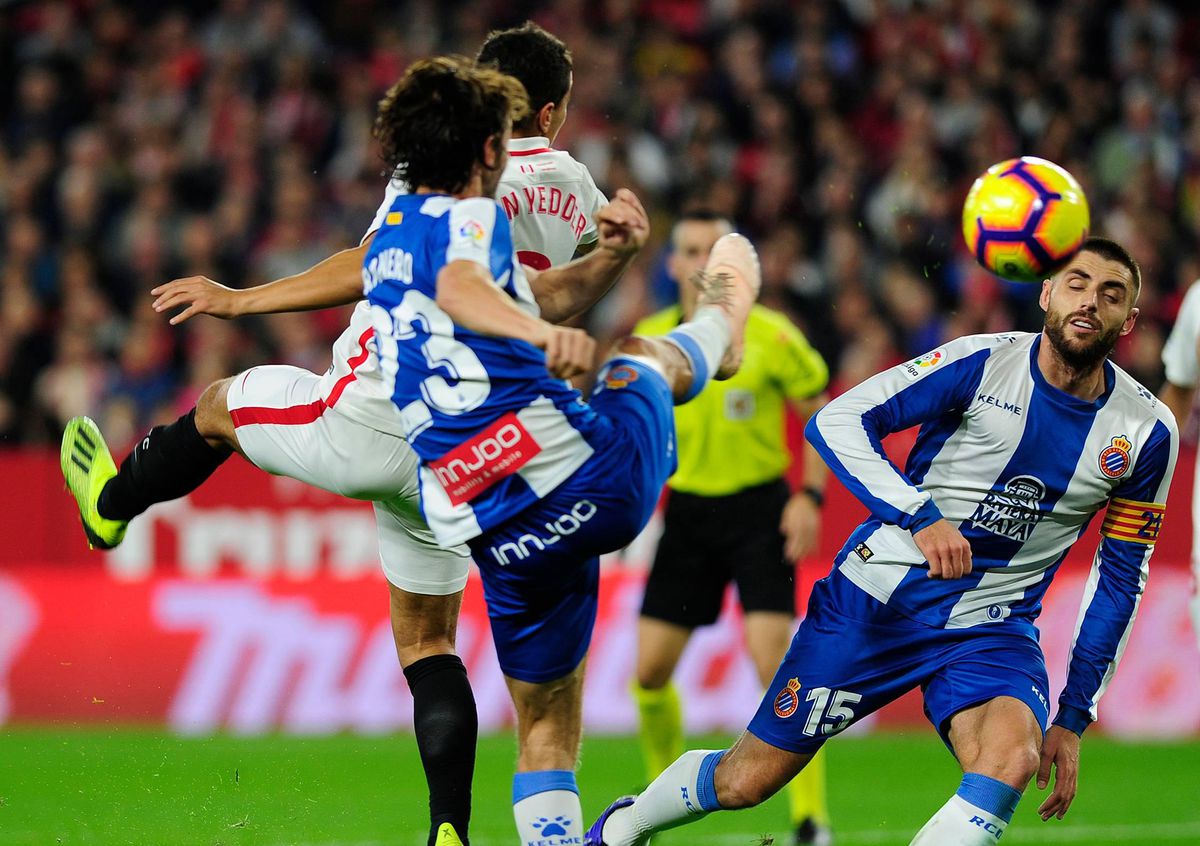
(815, 494)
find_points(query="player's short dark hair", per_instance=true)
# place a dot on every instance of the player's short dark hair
(433, 124)
(1110, 250)
(538, 59)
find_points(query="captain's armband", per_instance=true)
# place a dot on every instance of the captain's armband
(1133, 521)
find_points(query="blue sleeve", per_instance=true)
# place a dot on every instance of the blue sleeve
(1118, 577)
(849, 431)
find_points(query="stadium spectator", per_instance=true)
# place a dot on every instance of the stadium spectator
(841, 134)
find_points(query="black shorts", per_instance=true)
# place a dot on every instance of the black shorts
(708, 541)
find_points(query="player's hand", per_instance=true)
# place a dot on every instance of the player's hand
(946, 550)
(1060, 750)
(623, 223)
(569, 352)
(199, 295)
(800, 525)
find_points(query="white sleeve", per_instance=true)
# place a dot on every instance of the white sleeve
(593, 201)
(1179, 352)
(394, 189)
(472, 226)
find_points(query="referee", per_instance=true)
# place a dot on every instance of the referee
(730, 516)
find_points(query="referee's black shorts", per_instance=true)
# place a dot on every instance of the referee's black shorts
(706, 542)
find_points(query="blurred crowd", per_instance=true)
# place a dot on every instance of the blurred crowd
(147, 141)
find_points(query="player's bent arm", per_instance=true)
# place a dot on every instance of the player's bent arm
(571, 289)
(334, 281)
(467, 292)
(1178, 399)
(1118, 578)
(849, 431)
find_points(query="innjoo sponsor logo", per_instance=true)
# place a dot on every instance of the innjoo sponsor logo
(475, 465)
(555, 530)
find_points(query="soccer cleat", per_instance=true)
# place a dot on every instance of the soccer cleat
(811, 833)
(595, 834)
(731, 281)
(447, 836)
(87, 465)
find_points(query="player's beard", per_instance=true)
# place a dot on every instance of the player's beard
(1078, 353)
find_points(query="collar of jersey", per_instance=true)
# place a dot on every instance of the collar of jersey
(1062, 397)
(532, 142)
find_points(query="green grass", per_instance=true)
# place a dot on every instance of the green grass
(140, 787)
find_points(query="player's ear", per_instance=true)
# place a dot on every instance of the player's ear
(493, 151)
(545, 117)
(1127, 326)
(1044, 297)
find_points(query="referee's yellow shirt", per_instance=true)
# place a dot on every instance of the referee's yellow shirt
(732, 436)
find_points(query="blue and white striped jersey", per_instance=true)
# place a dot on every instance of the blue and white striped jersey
(1021, 468)
(494, 431)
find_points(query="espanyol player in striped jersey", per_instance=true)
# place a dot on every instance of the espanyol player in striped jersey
(1024, 439)
(339, 432)
(513, 461)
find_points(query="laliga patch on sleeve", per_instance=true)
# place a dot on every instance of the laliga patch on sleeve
(472, 231)
(922, 364)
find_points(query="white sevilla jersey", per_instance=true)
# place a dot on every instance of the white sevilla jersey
(551, 202)
(1020, 468)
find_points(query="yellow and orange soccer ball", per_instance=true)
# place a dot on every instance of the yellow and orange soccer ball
(1024, 218)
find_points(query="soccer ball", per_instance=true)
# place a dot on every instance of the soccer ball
(1024, 218)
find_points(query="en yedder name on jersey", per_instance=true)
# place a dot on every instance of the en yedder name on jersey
(545, 200)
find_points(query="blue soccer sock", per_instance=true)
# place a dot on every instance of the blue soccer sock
(975, 816)
(684, 792)
(703, 340)
(546, 808)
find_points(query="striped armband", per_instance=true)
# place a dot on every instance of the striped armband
(1130, 520)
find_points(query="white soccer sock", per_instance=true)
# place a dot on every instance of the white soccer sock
(703, 339)
(546, 808)
(975, 816)
(684, 792)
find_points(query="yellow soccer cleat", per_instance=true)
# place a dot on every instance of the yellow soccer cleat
(447, 836)
(87, 465)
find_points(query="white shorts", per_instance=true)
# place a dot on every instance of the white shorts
(284, 427)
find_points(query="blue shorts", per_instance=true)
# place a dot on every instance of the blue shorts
(542, 599)
(852, 655)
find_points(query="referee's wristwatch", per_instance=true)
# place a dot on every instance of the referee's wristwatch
(815, 494)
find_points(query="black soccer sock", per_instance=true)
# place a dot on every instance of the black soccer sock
(169, 462)
(447, 728)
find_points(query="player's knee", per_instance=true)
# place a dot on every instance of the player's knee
(413, 650)
(213, 421)
(634, 345)
(654, 674)
(1023, 764)
(1014, 765)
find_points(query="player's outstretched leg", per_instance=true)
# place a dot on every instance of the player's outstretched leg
(698, 783)
(710, 345)
(168, 463)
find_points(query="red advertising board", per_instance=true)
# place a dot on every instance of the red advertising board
(255, 605)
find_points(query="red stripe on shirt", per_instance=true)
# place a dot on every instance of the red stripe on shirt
(531, 152)
(295, 415)
(353, 362)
